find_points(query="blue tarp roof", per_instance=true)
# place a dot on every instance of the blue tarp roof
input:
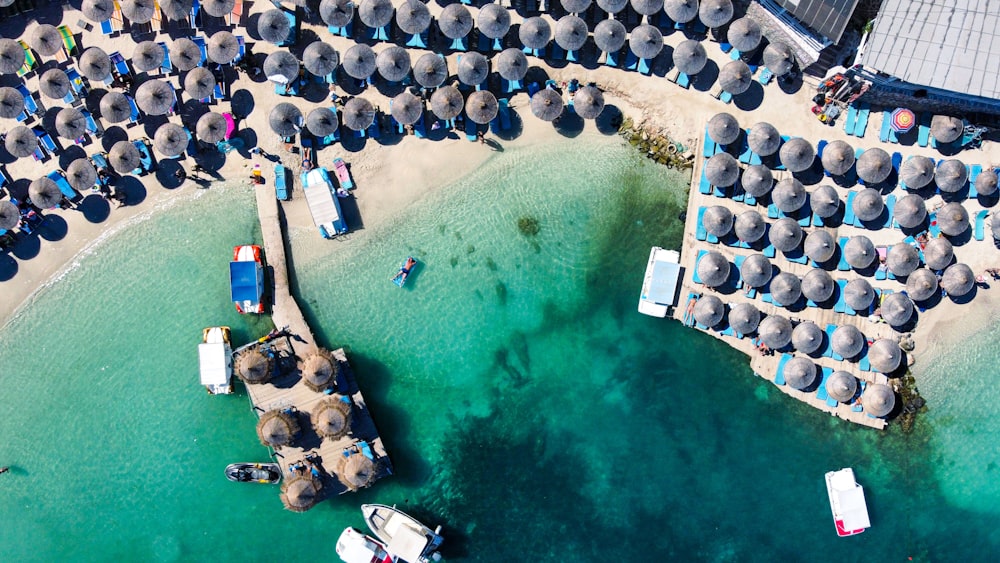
(663, 287)
(243, 280)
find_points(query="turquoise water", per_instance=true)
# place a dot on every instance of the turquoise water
(526, 405)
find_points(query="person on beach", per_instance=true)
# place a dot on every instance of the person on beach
(180, 174)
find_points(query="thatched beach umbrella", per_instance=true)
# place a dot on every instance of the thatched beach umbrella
(115, 107)
(764, 139)
(807, 337)
(170, 139)
(951, 176)
(756, 270)
(958, 280)
(800, 373)
(859, 294)
(789, 195)
(609, 35)
(775, 331)
(332, 417)
(358, 114)
(986, 182)
(139, 11)
(320, 58)
(534, 33)
(757, 180)
(98, 11)
(612, 6)
(715, 13)
(319, 371)
(874, 165)
(493, 20)
(847, 341)
(571, 33)
(878, 399)
(185, 54)
(512, 64)
(447, 102)
(938, 253)
(322, 121)
(817, 285)
(11, 56)
(575, 6)
(199, 83)
(547, 104)
(744, 318)
(797, 155)
(359, 61)
(841, 386)
(859, 252)
(723, 128)
(824, 201)
(336, 13)
(375, 13)
(21, 141)
(786, 234)
(70, 123)
(81, 174)
(588, 102)
(455, 21)
(253, 367)
(355, 471)
(868, 204)
(124, 157)
(281, 67)
(273, 26)
(300, 493)
(690, 57)
(910, 211)
(407, 108)
(722, 169)
(902, 259)
(735, 77)
(44, 193)
(681, 11)
(54, 83)
(885, 355)
(473, 69)
(897, 309)
(946, 129)
(718, 220)
(819, 246)
(779, 58)
(482, 107)
(645, 41)
(211, 127)
(744, 34)
(175, 9)
(709, 310)
(838, 157)
(786, 289)
(917, 172)
(10, 215)
(223, 47)
(393, 63)
(218, 8)
(921, 284)
(277, 428)
(953, 219)
(646, 7)
(155, 97)
(11, 102)
(749, 226)
(430, 70)
(95, 64)
(713, 269)
(147, 56)
(413, 17)
(286, 119)
(45, 39)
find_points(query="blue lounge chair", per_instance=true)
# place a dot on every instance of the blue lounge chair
(849, 217)
(200, 42)
(865, 364)
(471, 130)
(30, 104)
(67, 190)
(45, 141)
(765, 76)
(709, 147)
(93, 127)
(851, 120)
(280, 182)
(829, 331)
(862, 124)
(704, 187)
(700, 232)
(726, 97)
(843, 266)
(612, 60)
(738, 262)
(644, 67)
(418, 40)
(292, 31)
(134, 116)
(924, 129)
(631, 61)
(828, 341)
(120, 64)
(458, 44)
(779, 374)
(146, 163)
(980, 220)
(503, 108)
(883, 134)
(106, 27)
(821, 392)
(373, 130)
(694, 272)
(166, 66)
(890, 208)
(974, 171)
(76, 82)
(683, 80)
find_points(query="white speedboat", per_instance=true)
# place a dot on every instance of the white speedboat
(355, 547)
(659, 285)
(404, 536)
(847, 502)
(215, 358)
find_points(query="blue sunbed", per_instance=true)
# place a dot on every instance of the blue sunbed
(76, 82)
(280, 182)
(843, 266)
(92, 126)
(821, 392)
(67, 190)
(120, 64)
(700, 232)
(106, 27)
(974, 171)
(849, 217)
(704, 187)
(631, 61)
(683, 80)
(292, 24)
(134, 116)
(612, 60)
(45, 141)
(30, 105)
(373, 131)
(828, 341)
(890, 207)
(924, 129)
(694, 272)
(765, 76)
(883, 135)
(850, 120)
(864, 363)
(779, 374)
(709, 148)
(980, 220)
(862, 124)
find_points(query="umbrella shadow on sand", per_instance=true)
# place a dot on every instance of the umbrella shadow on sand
(94, 208)
(8, 267)
(610, 120)
(706, 78)
(242, 103)
(751, 99)
(27, 247)
(133, 190)
(53, 229)
(569, 124)
(71, 153)
(111, 136)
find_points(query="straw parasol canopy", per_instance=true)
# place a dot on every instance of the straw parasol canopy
(735, 77)
(447, 102)
(21, 141)
(797, 155)
(571, 33)
(744, 34)
(841, 386)
(800, 373)
(547, 104)
(744, 318)
(612, 6)
(645, 41)
(185, 54)
(609, 35)
(44, 193)
(320, 370)
(359, 61)
(838, 157)
(938, 253)
(147, 56)
(11, 102)
(764, 139)
(789, 195)
(819, 246)
(749, 226)
(375, 13)
(286, 119)
(273, 26)
(393, 63)
(413, 17)
(946, 128)
(493, 21)
(859, 294)
(358, 114)
(588, 102)
(175, 9)
(139, 11)
(70, 123)
(320, 58)
(953, 219)
(874, 165)
(756, 270)
(786, 234)
(124, 157)
(155, 97)
(300, 493)
(713, 269)
(81, 174)
(718, 220)
(11, 56)
(709, 311)
(322, 121)
(253, 367)
(54, 83)
(868, 204)
(681, 11)
(332, 417)
(878, 399)
(775, 331)
(690, 57)
(575, 6)
(847, 341)
(482, 107)
(817, 285)
(336, 13)
(922, 284)
(786, 289)
(807, 337)
(199, 83)
(757, 180)
(646, 7)
(902, 259)
(473, 68)
(355, 471)
(885, 355)
(824, 201)
(223, 47)
(218, 8)
(455, 21)
(211, 127)
(512, 64)
(859, 252)
(897, 309)
(407, 108)
(115, 107)
(170, 139)
(46, 40)
(10, 215)
(986, 182)
(281, 67)
(958, 280)
(722, 169)
(277, 428)
(535, 33)
(910, 211)
(95, 64)
(430, 70)
(723, 128)
(917, 172)
(779, 58)
(98, 11)
(951, 176)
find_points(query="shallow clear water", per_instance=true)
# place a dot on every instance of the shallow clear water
(525, 403)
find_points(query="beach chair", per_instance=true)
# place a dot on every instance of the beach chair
(45, 141)
(851, 120)
(738, 263)
(504, 111)
(779, 374)
(195, 14)
(700, 232)
(166, 67)
(821, 392)
(828, 341)
(107, 27)
(419, 41)
(924, 129)
(471, 130)
(242, 50)
(765, 76)
(373, 130)
(704, 187)
(280, 182)
(76, 82)
(200, 42)
(725, 97)
(980, 224)
(864, 364)
(120, 65)
(146, 163)
(974, 171)
(236, 16)
(64, 187)
(862, 124)
(611, 59)
(93, 127)
(292, 25)
(849, 217)
(458, 44)
(842, 266)
(694, 272)
(708, 150)
(133, 117)
(31, 105)
(890, 207)
(883, 135)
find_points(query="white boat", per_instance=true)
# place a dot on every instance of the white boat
(847, 502)
(355, 547)
(325, 209)
(215, 358)
(659, 286)
(404, 536)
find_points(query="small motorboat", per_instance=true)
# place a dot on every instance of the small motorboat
(355, 547)
(404, 536)
(404, 271)
(847, 503)
(246, 279)
(269, 473)
(215, 359)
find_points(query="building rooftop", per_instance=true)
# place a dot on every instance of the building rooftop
(828, 17)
